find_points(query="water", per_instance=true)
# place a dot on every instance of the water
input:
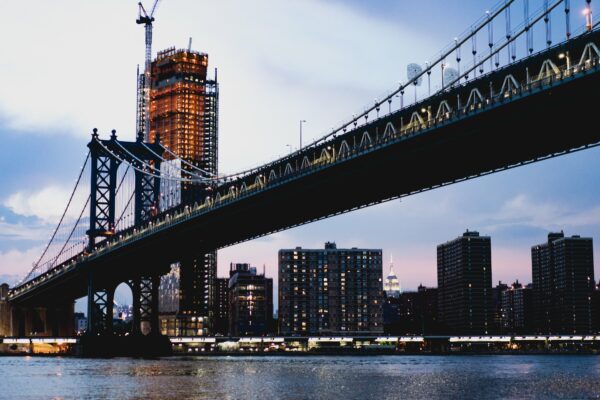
(346, 377)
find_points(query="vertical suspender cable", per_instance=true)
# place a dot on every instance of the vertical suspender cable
(548, 22)
(568, 18)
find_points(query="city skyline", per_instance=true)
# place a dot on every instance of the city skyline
(517, 208)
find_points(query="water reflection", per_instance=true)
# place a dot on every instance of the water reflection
(290, 378)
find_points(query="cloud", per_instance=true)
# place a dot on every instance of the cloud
(46, 204)
(278, 62)
(523, 210)
(15, 264)
(23, 232)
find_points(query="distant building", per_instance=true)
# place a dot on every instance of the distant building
(80, 323)
(330, 291)
(517, 309)
(464, 269)
(412, 313)
(563, 285)
(497, 291)
(5, 312)
(250, 301)
(221, 307)
(391, 284)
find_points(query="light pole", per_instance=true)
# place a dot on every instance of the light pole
(290, 146)
(301, 122)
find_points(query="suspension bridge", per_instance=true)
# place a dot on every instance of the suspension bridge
(507, 106)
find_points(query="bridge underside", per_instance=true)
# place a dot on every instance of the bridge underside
(550, 122)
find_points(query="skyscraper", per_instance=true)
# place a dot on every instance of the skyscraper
(330, 291)
(563, 284)
(184, 114)
(464, 270)
(391, 285)
(250, 301)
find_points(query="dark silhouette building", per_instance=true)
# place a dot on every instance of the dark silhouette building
(517, 309)
(221, 307)
(464, 268)
(411, 313)
(497, 307)
(250, 301)
(330, 291)
(563, 285)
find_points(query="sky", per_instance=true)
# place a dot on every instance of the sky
(68, 66)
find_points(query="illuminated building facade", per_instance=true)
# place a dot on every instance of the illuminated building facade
(250, 301)
(330, 291)
(184, 110)
(391, 284)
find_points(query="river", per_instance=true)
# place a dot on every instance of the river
(303, 377)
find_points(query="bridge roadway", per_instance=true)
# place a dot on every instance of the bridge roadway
(489, 124)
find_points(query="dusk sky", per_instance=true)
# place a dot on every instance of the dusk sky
(68, 66)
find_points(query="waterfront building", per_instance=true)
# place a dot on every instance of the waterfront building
(517, 309)
(330, 291)
(563, 285)
(250, 301)
(184, 115)
(464, 269)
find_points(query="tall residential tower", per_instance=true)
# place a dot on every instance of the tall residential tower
(184, 115)
(464, 270)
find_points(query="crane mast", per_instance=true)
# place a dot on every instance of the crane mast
(143, 95)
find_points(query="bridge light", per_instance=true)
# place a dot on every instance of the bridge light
(561, 56)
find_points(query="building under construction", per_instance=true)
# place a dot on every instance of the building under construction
(183, 112)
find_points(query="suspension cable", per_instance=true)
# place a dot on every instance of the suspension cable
(87, 157)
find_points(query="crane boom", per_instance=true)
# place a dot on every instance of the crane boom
(143, 117)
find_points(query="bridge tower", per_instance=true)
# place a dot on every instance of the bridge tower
(106, 157)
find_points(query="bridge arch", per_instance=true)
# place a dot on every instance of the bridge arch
(389, 131)
(365, 140)
(590, 52)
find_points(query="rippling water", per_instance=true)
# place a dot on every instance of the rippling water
(346, 377)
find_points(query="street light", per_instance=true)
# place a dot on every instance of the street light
(301, 122)
(587, 12)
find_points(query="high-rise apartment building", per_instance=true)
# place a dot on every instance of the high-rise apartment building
(464, 269)
(183, 113)
(330, 291)
(563, 285)
(250, 301)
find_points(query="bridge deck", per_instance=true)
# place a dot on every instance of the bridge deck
(541, 118)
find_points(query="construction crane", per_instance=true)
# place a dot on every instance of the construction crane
(143, 114)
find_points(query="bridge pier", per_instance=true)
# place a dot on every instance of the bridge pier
(145, 339)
